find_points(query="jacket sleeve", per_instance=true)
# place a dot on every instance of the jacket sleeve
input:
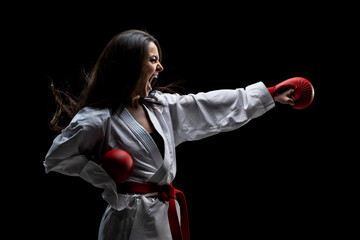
(196, 116)
(72, 153)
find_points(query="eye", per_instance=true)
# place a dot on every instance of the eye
(154, 59)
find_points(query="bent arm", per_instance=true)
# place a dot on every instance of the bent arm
(72, 153)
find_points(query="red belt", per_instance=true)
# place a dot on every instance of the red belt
(166, 193)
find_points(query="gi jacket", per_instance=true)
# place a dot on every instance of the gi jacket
(77, 151)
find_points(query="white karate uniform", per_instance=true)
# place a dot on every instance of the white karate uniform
(93, 132)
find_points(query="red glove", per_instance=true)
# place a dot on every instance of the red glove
(303, 91)
(118, 164)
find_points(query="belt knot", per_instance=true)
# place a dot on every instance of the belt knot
(167, 192)
(179, 231)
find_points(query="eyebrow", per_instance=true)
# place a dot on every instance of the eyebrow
(154, 55)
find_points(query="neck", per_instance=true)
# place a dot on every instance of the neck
(134, 102)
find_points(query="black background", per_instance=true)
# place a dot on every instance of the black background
(286, 174)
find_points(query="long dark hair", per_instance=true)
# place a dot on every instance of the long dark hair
(111, 80)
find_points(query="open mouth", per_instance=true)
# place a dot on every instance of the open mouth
(152, 81)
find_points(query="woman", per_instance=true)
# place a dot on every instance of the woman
(119, 109)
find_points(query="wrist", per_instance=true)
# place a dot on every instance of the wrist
(271, 90)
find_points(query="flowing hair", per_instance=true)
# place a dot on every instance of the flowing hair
(112, 79)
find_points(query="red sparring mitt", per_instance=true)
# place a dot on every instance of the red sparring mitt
(303, 91)
(118, 164)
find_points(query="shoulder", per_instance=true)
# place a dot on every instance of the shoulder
(163, 98)
(92, 115)
(89, 119)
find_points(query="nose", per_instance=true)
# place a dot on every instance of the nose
(159, 67)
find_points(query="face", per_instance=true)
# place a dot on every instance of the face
(150, 71)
